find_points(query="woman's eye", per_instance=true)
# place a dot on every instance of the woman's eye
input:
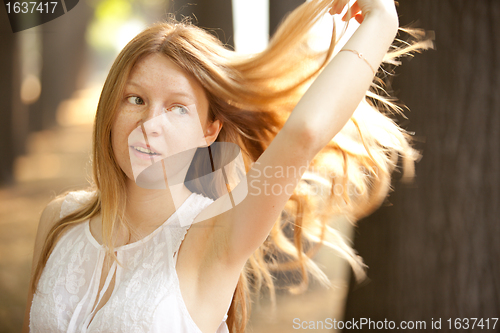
(179, 109)
(135, 100)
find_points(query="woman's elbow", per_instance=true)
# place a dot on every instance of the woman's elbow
(307, 138)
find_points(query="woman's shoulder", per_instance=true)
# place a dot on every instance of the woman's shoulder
(51, 212)
(201, 200)
(58, 208)
(71, 201)
(203, 208)
(62, 206)
(199, 203)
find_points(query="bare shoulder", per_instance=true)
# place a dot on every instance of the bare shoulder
(59, 207)
(49, 216)
(48, 219)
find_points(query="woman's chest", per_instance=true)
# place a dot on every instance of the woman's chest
(80, 291)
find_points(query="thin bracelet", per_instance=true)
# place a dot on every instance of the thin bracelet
(361, 56)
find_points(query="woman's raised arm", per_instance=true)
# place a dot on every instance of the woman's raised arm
(321, 113)
(333, 97)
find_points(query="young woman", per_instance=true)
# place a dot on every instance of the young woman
(110, 259)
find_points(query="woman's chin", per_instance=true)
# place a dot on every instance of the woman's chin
(151, 176)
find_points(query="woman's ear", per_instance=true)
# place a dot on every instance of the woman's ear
(212, 131)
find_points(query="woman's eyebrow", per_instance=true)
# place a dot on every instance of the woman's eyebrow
(181, 93)
(133, 83)
(176, 93)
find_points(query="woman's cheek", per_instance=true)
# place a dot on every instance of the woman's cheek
(185, 140)
(119, 140)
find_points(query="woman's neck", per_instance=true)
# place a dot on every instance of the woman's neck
(148, 208)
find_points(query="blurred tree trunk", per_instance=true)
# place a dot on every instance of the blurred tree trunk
(63, 54)
(435, 252)
(7, 95)
(218, 15)
(278, 10)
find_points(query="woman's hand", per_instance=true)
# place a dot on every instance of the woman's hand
(361, 8)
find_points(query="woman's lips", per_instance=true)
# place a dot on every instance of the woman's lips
(144, 152)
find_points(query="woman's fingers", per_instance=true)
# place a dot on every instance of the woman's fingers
(355, 10)
(338, 6)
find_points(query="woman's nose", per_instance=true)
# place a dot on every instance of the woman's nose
(155, 121)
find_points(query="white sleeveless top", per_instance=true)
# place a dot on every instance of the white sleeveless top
(146, 296)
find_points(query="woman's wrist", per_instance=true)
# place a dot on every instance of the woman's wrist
(374, 36)
(387, 17)
(384, 22)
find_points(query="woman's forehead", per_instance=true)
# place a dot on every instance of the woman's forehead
(155, 68)
(157, 74)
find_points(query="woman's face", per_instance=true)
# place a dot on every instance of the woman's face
(163, 112)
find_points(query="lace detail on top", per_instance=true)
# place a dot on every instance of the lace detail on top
(146, 296)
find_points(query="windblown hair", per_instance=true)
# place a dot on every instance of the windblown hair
(252, 95)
